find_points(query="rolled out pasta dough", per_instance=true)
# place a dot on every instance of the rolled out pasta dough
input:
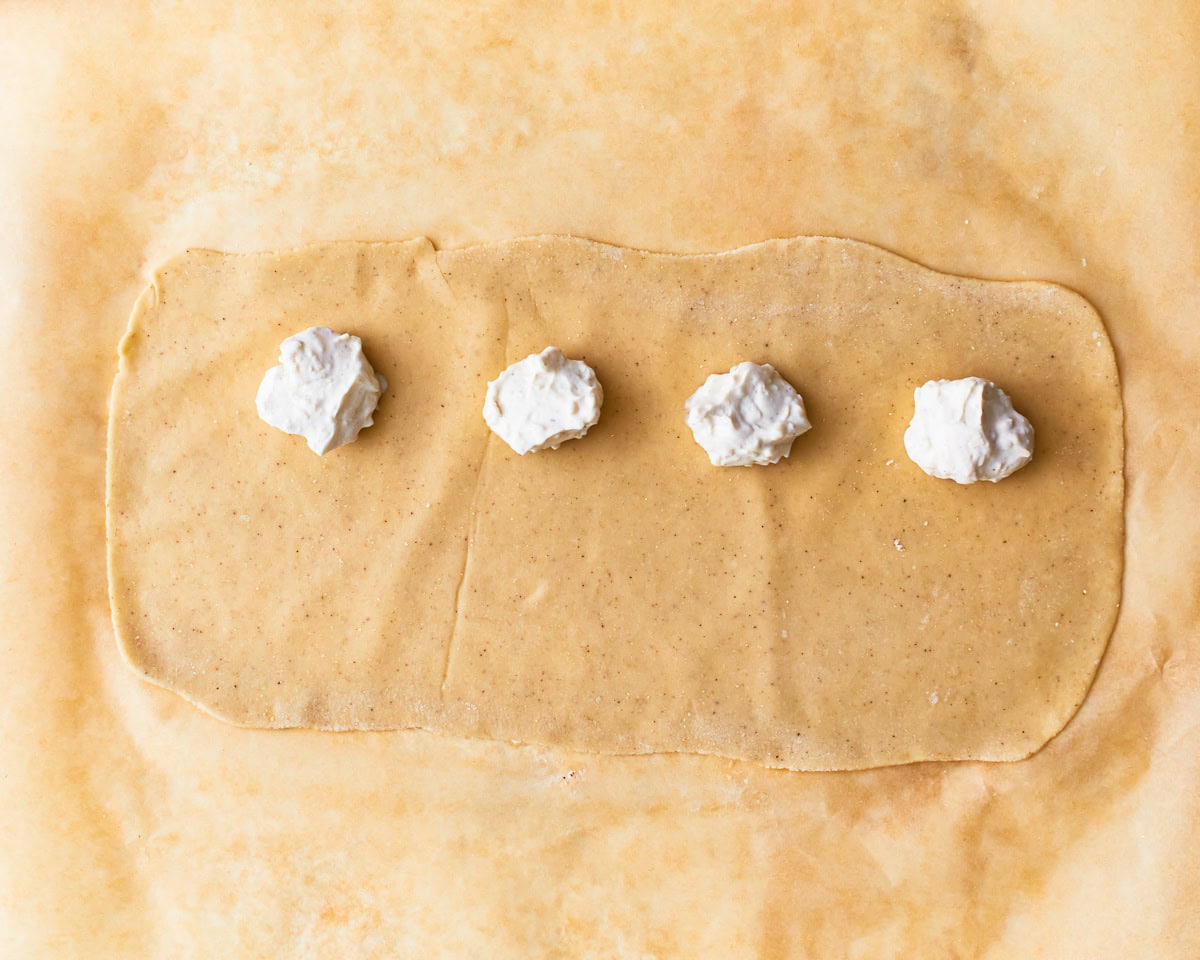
(840, 610)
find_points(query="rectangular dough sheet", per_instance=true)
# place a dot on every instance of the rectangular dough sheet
(838, 610)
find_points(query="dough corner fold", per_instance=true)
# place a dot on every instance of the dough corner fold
(837, 610)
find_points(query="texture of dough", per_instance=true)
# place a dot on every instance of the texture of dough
(836, 611)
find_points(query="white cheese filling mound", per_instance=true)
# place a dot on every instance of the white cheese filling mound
(749, 415)
(543, 401)
(967, 430)
(323, 389)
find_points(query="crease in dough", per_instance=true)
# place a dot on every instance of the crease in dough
(472, 524)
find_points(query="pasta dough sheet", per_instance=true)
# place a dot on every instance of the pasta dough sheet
(838, 610)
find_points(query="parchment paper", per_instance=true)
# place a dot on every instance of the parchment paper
(1010, 141)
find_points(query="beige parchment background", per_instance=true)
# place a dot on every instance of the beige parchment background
(1016, 140)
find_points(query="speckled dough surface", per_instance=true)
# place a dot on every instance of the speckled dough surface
(838, 610)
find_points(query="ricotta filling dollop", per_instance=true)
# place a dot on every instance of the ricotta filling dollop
(543, 401)
(749, 415)
(967, 430)
(324, 389)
